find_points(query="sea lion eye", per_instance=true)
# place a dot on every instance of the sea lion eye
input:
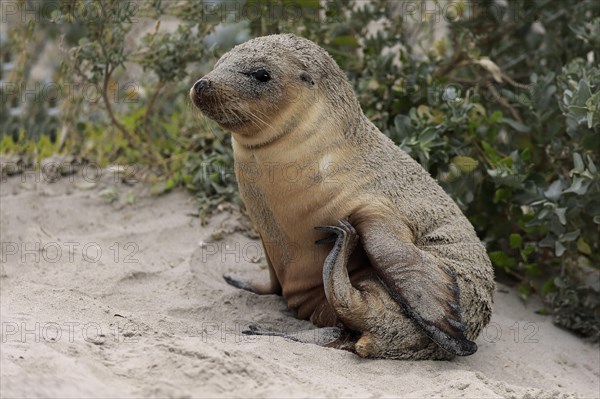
(261, 75)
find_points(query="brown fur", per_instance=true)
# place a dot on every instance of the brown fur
(307, 156)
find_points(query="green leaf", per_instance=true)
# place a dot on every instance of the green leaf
(583, 247)
(502, 195)
(578, 162)
(346, 40)
(559, 248)
(491, 152)
(170, 184)
(582, 93)
(515, 240)
(560, 212)
(519, 127)
(465, 164)
(553, 192)
(507, 161)
(528, 250)
(570, 236)
(496, 117)
(501, 260)
(591, 165)
(579, 186)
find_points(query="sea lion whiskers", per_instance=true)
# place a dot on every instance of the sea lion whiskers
(255, 117)
(199, 115)
(230, 111)
(291, 124)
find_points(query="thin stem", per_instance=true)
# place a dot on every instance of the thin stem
(159, 86)
(502, 101)
(111, 115)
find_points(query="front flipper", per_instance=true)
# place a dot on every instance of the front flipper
(418, 281)
(262, 288)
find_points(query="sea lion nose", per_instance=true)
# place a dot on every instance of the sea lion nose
(199, 86)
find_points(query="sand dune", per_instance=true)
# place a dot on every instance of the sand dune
(127, 300)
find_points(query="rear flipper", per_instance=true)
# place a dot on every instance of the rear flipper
(417, 299)
(333, 337)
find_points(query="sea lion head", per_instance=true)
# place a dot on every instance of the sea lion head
(262, 88)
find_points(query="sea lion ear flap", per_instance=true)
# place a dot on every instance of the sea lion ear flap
(305, 77)
(426, 289)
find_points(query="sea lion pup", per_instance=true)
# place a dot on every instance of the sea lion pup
(407, 273)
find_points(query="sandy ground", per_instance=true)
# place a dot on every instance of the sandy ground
(126, 299)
